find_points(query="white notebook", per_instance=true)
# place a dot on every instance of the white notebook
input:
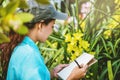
(85, 58)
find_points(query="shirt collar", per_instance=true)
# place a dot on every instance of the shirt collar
(30, 42)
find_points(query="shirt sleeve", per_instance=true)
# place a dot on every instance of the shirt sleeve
(32, 68)
(27, 66)
(11, 73)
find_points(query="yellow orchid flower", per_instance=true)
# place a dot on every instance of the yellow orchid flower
(67, 38)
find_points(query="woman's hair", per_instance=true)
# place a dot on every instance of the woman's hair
(30, 25)
(7, 48)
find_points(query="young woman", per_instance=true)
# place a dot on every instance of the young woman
(26, 62)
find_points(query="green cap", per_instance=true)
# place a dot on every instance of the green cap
(43, 12)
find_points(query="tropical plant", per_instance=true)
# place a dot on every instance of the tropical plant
(12, 19)
(99, 29)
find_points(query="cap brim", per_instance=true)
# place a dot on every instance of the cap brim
(60, 16)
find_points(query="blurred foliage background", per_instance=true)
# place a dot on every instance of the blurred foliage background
(93, 26)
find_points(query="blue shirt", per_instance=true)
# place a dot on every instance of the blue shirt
(26, 63)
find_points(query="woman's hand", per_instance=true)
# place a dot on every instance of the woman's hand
(57, 69)
(78, 73)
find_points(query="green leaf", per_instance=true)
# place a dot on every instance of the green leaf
(54, 38)
(112, 48)
(1, 1)
(25, 17)
(48, 49)
(3, 38)
(1, 30)
(94, 42)
(22, 30)
(117, 62)
(23, 4)
(116, 44)
(12, 6)
(104, 44)
(2, 11)
(103, 73)
(43, 1)
(107, 55)
(110, 72)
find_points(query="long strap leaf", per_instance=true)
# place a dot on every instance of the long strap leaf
(110, 72)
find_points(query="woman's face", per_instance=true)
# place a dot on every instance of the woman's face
(46, 30)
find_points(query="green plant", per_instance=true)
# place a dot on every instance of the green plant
(101, 29)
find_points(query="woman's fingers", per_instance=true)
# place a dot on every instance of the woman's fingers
(63, 65)
(85, 67)
(59, 68)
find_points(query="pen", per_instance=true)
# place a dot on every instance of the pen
(77, 63)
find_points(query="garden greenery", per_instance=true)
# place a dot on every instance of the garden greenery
(95, 30)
